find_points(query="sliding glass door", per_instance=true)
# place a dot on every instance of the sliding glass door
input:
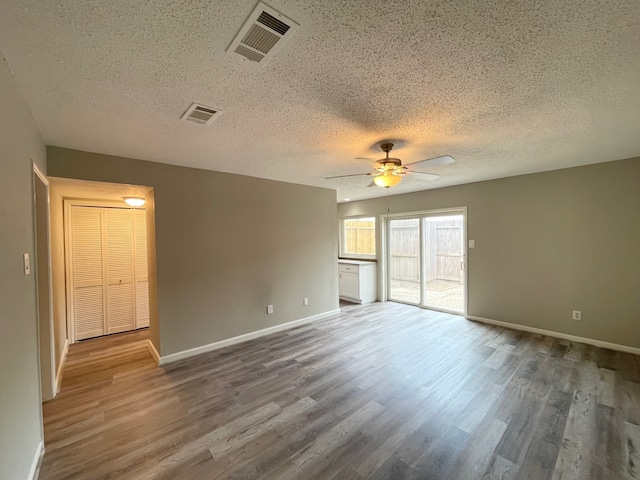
(443, 288)
(426, 260)
(404, 260)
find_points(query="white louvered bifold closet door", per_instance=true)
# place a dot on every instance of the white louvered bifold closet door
(141, 270)
(87, 268)
(118, 225)
(108, 252)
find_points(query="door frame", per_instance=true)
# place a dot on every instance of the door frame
(384, 263)
(68, 261)
(45, 376)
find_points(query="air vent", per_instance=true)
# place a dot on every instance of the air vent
(248, 53)
(200, 114)
(273, 23)
(262, 35)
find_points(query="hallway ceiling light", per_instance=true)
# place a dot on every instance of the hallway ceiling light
(134, 201)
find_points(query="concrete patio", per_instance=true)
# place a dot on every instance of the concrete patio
(441, 294)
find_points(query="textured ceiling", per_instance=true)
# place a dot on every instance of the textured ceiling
(505, 87)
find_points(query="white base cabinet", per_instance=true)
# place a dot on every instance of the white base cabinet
(357, 281)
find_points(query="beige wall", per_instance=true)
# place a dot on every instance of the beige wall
(547, 244)
(226, 246)
(57, 274)
(20, 410)
(154, 326)
(43, 273)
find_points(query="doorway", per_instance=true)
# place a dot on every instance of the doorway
(107, 272)
(109, 256)
(426, 259)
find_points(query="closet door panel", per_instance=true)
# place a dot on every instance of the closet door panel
(119, 269)
(142, 304)
(89, 308)
(120, 307)
(87, 272)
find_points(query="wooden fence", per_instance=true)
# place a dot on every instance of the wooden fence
(360, 236)
(444, 249)
(404, 249)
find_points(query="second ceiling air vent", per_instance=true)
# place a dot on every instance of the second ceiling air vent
(262, 35)
(200, 114)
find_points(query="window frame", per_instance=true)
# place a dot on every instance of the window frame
(358, 256)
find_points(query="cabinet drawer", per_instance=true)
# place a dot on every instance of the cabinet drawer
(348, 268)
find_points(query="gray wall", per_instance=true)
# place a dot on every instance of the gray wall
(547, 244)
(20, 410)
(226, 246)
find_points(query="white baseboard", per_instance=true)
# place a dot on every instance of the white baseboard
(192, 352)
(63, 362)
(563, 336)
(153, 351)
(37, 460)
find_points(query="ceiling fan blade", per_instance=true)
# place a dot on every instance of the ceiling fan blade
(372, 184)
(442, 160)
(425, 175)
(352, 175)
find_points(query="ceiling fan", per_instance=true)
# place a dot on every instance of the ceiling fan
(389, 171)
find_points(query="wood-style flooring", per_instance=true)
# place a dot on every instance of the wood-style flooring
(382, 391)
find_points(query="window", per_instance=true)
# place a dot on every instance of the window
(358, 237)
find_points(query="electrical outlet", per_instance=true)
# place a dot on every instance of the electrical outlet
(305, 301)
(577, 315)
(269, 309)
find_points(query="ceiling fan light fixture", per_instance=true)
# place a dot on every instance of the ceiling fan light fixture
(387, 179)
(388, 171)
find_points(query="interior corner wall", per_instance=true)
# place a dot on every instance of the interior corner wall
(20, 408)
(152, 263)
(226, 246)
(547, 244)
(58, 287)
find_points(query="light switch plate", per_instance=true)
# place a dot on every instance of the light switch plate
(27, 264)
(472, 244)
